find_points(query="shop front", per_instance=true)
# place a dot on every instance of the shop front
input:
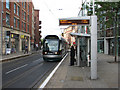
(24, 41)
(100, 46)
(14, 43)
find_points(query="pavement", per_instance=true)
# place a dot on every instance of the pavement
(17, 55)
(79, 77)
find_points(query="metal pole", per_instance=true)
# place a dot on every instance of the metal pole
(94, 47)
(1, 28)
(93, 8)
(1, 47)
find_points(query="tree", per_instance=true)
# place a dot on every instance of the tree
(107, 13)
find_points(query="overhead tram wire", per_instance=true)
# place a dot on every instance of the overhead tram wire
(50, 9)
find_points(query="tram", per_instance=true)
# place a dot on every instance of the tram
(54, 48)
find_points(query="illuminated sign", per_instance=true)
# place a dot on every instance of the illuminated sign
(73, 22)
(22, 36)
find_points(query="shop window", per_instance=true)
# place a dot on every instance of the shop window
(7, 19)
(7, 4)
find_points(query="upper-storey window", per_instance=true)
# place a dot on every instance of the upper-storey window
(14, 22)
(7, 19)
(7, 4)
(15, 9)
(24, 15)
(24, 4)
(18, 10)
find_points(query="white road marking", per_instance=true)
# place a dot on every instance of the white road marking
(36, 60)
(16, 69)
(51, 74)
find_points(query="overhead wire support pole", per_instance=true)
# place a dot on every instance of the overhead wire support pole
(93, 45)
(1, 28)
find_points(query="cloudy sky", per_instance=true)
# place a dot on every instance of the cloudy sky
(52, 10)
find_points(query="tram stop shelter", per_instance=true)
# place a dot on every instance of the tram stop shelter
(90, 21)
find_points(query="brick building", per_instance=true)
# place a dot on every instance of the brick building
(17, 26)
(67, 35)
(37, 32)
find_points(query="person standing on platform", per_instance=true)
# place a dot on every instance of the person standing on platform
(72, 55)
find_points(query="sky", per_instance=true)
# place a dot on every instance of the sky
(52, 10)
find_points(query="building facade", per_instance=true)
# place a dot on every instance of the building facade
(37, 37)
(71, 29)
(17, 26)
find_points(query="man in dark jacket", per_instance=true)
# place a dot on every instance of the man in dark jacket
(72, 55)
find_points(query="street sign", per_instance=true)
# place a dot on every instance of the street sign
(75, 21)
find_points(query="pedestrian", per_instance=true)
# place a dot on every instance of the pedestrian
(36, 47)
(72, 55)
(26, 49)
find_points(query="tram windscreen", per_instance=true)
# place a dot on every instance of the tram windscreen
(51, 45)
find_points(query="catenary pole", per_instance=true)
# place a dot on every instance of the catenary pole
(1, 28)
(93, 45)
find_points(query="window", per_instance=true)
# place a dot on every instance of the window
(18, 10)
(25, 26)
(15, 10)
(7, 19)
(18, 23)
(22, 25)
(28, 18)
(28, 28)
(28, 7)
(24, 4)
(14, 22)
(7, 4)
(24, 15)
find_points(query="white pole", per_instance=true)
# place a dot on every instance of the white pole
(93, 8)
(94, 47)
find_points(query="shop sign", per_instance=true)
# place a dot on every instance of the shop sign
(22, 36)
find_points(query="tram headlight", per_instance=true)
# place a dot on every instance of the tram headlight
(45, 52)
(56, 52)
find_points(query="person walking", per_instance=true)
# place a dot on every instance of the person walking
(72, 55)
(26, 49)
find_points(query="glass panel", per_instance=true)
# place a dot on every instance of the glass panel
(51, 45)
(7, 4)
(7, 19)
